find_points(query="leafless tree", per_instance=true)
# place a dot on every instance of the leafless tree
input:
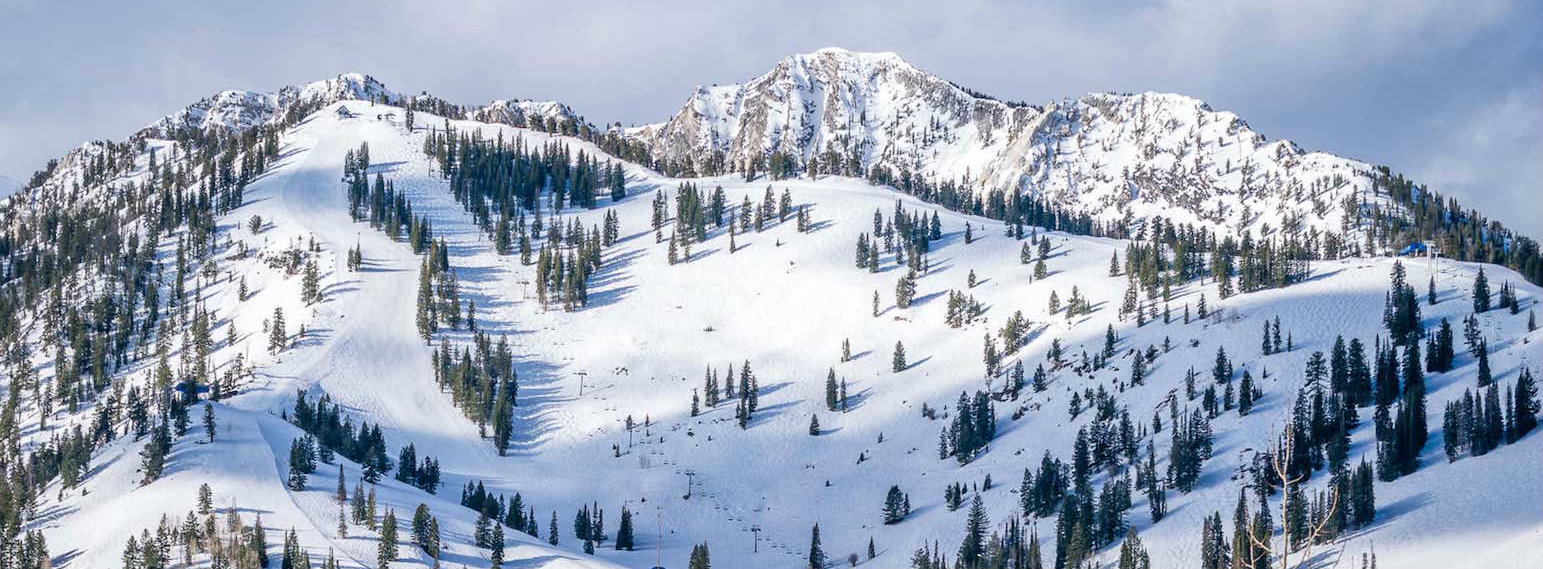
(1279, 455)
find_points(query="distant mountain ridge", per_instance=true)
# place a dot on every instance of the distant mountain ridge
(1105, 155)
(1119, 161)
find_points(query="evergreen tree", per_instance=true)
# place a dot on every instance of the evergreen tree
(496, 555)
(700, 558)
(624, 538)
(1481, 292)
(973, 549)
(153, 456)
(258, 542)
(894, 506)
(831, 390)
(386, 549)
(816, 553)
(1484, 373)
(278, 339)
(209, 426)
(552, 530)
(1132, 554)
(1526, 401)
(310, 283)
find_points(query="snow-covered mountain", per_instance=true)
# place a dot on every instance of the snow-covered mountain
(1105, 155)
(122, 279)
(234, 112)
(241, 110)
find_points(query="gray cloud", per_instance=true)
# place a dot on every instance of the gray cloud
(1446, 91)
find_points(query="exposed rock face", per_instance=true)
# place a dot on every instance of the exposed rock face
(1109, 156)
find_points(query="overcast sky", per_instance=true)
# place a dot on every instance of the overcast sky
(1449, 92)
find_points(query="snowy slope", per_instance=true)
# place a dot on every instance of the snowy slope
(341, 352)
(784, 301)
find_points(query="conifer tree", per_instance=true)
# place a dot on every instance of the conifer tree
(278, 339)
(552, 530)
(1481, 292)
(624, 539)
(1484, 373)
(700, 558)
(310, 283)
(1526, 402)
(209, 426)
(386, 549)
(973, 549)
(496, 555)
(831, 390)
(816, 553)
(1132, 554)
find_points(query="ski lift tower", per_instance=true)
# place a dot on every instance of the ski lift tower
(1431, 256)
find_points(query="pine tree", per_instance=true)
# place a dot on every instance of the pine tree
(153, 457)
(1484, 373)
(310, 283)
(426, 320)
(552, 530)
(278, 339)
(816, 553)
(973, 549)
(1480, 292)
(624, 539)
(1526, 401)
(894, 506)
(1132, 554)
(386, 550)
(700, 558)
(297, 475)
(342, 522)
(496, 556)
(831, 390)
(258, 543)
(899, 363)
(209, 426)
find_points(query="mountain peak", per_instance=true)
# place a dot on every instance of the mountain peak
(346, 86)
(834, 63)
(841, 52)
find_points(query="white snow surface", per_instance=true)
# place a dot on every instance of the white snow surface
(784, 302)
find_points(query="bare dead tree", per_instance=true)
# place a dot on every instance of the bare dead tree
(1279, 455)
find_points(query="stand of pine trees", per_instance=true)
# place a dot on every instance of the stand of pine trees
(332, 431)
(482, 382)
(512, 512)
(205, 537)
